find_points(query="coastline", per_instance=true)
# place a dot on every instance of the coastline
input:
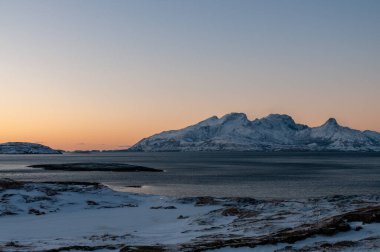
(75, 216)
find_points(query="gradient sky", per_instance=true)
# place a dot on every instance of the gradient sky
(104, 74)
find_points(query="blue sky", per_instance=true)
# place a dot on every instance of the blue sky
(133, 68)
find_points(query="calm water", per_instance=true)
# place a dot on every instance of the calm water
(259, 175)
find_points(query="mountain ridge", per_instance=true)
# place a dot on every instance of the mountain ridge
(275, 132)
(26, 148)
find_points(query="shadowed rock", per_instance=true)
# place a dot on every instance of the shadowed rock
(241, 213)
(114, 167)
(9, 184)
(143, 249)
(84, 248)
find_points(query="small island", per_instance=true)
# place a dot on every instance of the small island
(26, 148)
(113, 167)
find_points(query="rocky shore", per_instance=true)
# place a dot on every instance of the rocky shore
(91, 217)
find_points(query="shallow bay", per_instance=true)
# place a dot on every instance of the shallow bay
(233, 174)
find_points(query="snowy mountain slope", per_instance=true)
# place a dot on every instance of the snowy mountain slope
(275, 132)
(335, 137)
(26, 148)
(372, 134)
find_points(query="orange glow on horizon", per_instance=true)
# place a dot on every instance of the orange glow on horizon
(74, 77)
(98, 135)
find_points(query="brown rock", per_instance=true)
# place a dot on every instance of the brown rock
(201, 201)
(241, 213)
(9, 184)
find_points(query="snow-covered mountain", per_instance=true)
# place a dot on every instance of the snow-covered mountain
(272, 133)
(26, 148)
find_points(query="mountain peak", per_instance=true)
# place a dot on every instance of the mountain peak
(234, 116)
(331, 121)
(280, 117)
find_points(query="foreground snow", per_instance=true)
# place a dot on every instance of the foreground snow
(43, 217)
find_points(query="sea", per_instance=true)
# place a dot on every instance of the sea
(270, 175)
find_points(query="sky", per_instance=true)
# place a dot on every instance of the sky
(94, 74)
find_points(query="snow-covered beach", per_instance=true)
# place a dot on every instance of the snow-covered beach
(92, 217)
